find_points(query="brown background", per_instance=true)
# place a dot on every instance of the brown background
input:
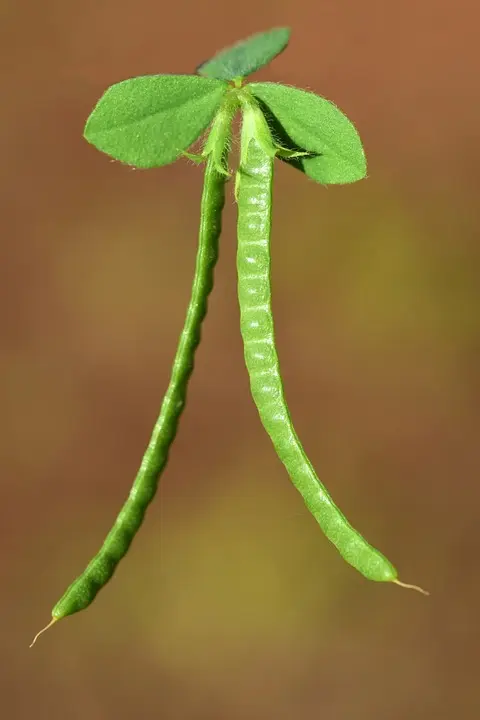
(231, 604)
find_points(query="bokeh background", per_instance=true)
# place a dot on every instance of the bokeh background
(231, 604)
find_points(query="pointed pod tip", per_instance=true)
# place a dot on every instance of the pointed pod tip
(411, 587)
(52, 621)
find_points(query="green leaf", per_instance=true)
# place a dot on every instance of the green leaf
(301, 120)
(148, 121)
(247, 56)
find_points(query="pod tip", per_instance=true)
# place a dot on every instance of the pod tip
(53, 620)
(411, 587)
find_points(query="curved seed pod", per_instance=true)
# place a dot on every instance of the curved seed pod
(254, 197)
(84, 589)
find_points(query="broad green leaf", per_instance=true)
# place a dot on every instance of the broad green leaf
(301, 120)
(148, 121)
(247, 56)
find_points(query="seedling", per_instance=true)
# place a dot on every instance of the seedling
(153, 121)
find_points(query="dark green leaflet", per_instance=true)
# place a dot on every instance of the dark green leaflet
(99, 571)
(254, 194)
(247, 56)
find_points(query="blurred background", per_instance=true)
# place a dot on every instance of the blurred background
(231, 604)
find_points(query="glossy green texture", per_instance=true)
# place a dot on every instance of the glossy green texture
(305, 121)
(84, 589)
(149, 121)
(247, 56)
(254, 193)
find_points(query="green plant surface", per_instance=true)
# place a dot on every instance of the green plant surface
(246, 57)
(305, 120)
(254, 197)
(151, 121)
(81, 593)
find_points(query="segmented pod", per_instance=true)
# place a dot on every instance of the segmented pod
(254, 197)
(84, 589)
